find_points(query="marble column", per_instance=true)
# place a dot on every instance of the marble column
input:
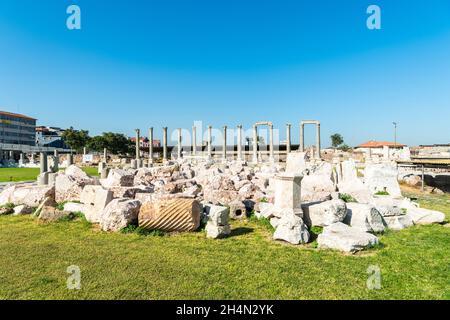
(150, 146)
(224, 147)
(165, 144)
(180, 149)
(105, 155)
(271, 151)
(302, 137)
(84, 151)
(194, 140)
(318, 140)
(209, 142)
(288, 138)
(43, 162)
(239, 143)
(255, 144)
(138, 141)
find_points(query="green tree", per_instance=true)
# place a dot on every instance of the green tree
(115, 143)
(344, 147)
(97, 143)
(336, 140)
(76, 139)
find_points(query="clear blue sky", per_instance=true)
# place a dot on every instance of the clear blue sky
(171, 62)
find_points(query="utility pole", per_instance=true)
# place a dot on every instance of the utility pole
(395, 134)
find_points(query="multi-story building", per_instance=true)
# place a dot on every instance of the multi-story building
(50, 137)
(17, 129)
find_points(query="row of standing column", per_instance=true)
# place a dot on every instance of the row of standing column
(224, 147)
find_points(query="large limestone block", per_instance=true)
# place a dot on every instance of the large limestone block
(389, 211)
(290, 228)
(171, 215)
(382, 177)
(129, 192)
(143, 176)
(6, 195)
(296, 162)
(348, 171)
(217, 225)
(119, 213)
(75, 207)
(88, 194)
(32, 196)
(22, 209)
(218, 215)
(51, 214)
(317, 188)
(68, 188)
(95, 208)
(217, 231)
(425, 216)
(76, 172)
(119, 178)
(341, 237)
(398, 222)
(324, 213)
(288, 192)
(356, 189)
(364, 217)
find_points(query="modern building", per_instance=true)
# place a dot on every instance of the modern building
(17, 129)
(50, 137)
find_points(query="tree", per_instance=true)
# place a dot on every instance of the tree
(97, 143)
(344, 147)
(76, 139)
(336, 140)
(115, 143)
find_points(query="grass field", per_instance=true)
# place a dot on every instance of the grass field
(414, 263)
(29, 174)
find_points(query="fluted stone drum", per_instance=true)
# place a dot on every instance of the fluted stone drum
(171, 215)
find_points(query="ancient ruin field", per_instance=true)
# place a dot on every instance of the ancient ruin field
(248, 265)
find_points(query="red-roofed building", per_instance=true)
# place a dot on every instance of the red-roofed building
(381, 145)
(144, 143)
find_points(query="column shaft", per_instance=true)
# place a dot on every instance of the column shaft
(179, 143)
(165, 144)
(150, 146)
(255, 144)
(271, 151)
(302, 137)
(239, 143)
(138, 141)
(288, 138)
(318, 141)
(224, 147)
(194, 140)
(209, 142)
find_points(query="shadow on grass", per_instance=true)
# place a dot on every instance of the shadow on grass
(240, 231)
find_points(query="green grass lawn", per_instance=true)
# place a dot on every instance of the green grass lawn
(415, 264)
(29, 174)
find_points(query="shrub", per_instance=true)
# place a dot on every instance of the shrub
(382, 193)
(346, 197)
